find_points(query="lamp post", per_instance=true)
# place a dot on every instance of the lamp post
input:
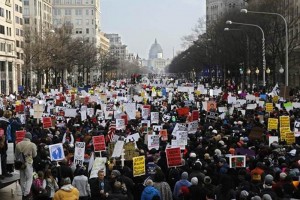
(268, 71)
(249, 77)
(257, 72)
(286, 40)
(281, 70)
(242, 77)
(263, 45)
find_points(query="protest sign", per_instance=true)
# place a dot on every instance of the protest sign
(269, 107)
(79, 153)
(163, 134)
(231, 99)
(90, 112)
(38, 111)
(284, 121)
(139, 166)
(56, 152)
(47, 122)
(251, 106)
(179, 127)
(20, 135)
(154, 117)
(195, 115)
(290, 138)
(132, 138)
(173, 157)
(212, 115)
(70, 112)
(118, 149)
(145, 112)
(183, 111)
(192, 127)
(272, 124)
(153, 142)
(99, 143)
(273, 139)
(130, 150)
(181, 137)
(157, 128)
(237, 161)
(283, 132)
(98, 164)
(211, 106)
(120, 124)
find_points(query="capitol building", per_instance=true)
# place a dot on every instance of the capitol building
(156, 62)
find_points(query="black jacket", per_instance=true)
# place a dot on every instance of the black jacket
(95, 189)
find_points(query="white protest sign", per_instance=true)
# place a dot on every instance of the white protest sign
(154, 117)
(222, 109)
(79, 153)
(251, 106)
(179, 127)
(83, 113)
(273, 139)
(130, 109)
(177, 143)
(250, 97)
(231, 100)
(70, 112)
(90, 112)
(153, 142)
(192, 127)
(157, 128)
(134, 137)
(118, 149)
(98, 164)
(120, 124)
(182, 137)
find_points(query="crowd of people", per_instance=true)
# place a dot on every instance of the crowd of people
(269, 171)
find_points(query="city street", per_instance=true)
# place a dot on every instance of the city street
(9, 193)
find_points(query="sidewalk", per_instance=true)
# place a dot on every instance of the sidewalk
(9, 193)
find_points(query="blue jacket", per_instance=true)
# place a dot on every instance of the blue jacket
(178, 186)
(149, 192)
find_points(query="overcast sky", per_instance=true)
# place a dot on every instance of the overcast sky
(139, 22)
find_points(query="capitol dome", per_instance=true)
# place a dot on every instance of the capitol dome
(155, 51)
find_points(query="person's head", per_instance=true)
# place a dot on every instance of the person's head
(40, 175)
(48, 173)
(7, 114)
(101, 175)
(117, 185)
(115, 173)
(184, 175)
(28, 135)
(149, 182)
(66, 181)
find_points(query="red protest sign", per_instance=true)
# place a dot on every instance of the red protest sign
(173, 157)
(125, 118)
(20, 108)
(195, 115)
(20, 135)
(163, 134)
(99, 143)
(183, 111)
(47, 122)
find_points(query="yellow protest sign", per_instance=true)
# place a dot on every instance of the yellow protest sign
(272, 124)
(269, 107)
(284, 121)
(197, 93)
(139, 166)
(275, 99)
(283, 132)
(130, 151)
(290, 138)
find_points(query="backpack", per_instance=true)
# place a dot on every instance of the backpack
(38, 190)
(20, 162)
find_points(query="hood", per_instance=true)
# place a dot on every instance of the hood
(149, 190)
(67, 188)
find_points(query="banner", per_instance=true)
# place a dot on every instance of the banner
(163, 134)
(47, 122)
(154, 117)
(173, 157)
(153, 142)
(192, 127)
(99, 143)
(99, 164)
(283, 132)
(79, 153)
(237, 161)
(272, 124)
(139, 166)
(284, 122)
(290, 138)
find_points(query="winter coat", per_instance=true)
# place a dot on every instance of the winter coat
(179, 184)
(164, 189)
(149, 192)
(67, 192)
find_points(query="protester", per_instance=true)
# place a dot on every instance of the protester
(81, 183)
(180, 185)
(150, 192)
(67, 191)
(100, 187)
(29, 150)
(51, 183)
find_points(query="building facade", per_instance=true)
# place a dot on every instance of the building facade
(11, 41)
(117, 48)
(156, 61)
(217, 8)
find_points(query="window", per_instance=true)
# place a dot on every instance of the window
(87, 12)
(68, 2)
(2, 29)
(87, 31)
(2, 47)
(78, 31)
(9, 49)
(1, 12)
(57, 11)
(8, 31)
(17, 43)
(26, 3)
(17, 20)
(16, 8)
(78, 21)
(87, 22)
(17, 31)
(26, 20)
(20, 9)
(92, 12)
(26, 11)
(78, 12)
(68, 12)
(78, 1)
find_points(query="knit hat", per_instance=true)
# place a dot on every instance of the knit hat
(206, 156)
(184, 175)
(192, 155)
(266, 197)
(244, 194)
(269, 180)
(207, 180)
(194, 181)
(256, 198)
(28, 135)
(282, 175)
(218, 152)
(116, 173)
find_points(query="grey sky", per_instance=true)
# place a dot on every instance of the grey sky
(139, 22)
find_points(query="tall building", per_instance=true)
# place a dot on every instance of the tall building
(11, 41)
(83, 16)
(117, 48)
(217, 8)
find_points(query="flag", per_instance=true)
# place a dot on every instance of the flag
(111, 132)
(275, 90)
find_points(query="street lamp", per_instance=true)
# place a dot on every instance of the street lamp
(263, 45)
(286, 40)
(268, 71)
(281, 70)
(257, 72)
